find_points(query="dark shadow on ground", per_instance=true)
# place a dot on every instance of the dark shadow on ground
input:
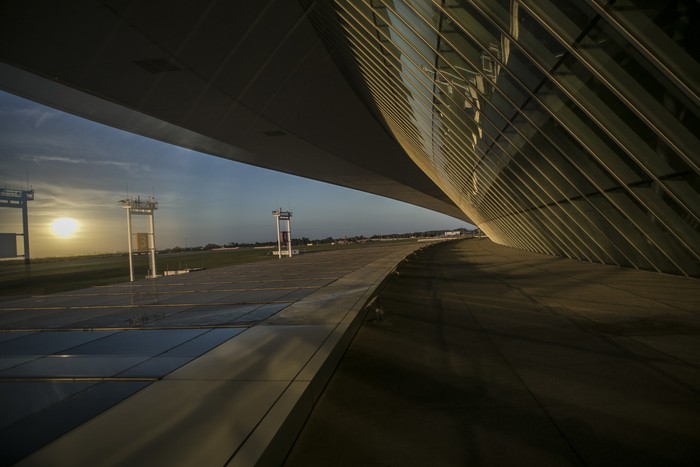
(491, 356)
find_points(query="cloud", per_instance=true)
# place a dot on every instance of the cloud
(39, 159)
(72, 197)
(125, 165)
(39, 115)
(44, 116)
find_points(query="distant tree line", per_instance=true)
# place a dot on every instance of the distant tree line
(308, 241)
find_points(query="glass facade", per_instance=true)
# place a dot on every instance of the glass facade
(567, 128)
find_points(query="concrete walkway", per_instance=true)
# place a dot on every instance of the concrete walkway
(214, 368)
(489, 356)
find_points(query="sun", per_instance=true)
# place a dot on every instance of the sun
(65, 227)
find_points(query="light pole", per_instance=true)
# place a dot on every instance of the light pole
(19, 199)
(136, 206)
(283, 236)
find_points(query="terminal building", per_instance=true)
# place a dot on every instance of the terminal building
(566, 128)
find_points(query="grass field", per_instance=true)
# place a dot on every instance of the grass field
(51, 275)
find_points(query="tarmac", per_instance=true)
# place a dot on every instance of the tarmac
(491, 356)
(216, 367)
(461, 353)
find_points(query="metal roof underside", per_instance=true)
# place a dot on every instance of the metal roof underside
(247, 81)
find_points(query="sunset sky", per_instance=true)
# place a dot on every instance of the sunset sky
(81, 169)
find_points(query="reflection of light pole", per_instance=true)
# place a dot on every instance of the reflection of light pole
(136, 206)
(283, 236)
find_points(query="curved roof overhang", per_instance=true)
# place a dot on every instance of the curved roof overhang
(247, 81)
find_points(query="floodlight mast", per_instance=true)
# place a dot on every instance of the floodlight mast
(134, 205)
(283, 236)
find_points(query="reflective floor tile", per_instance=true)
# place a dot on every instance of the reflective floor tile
(46, 343)
(40, 428)
(19, 399)
(98, 366)
(137, 342)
